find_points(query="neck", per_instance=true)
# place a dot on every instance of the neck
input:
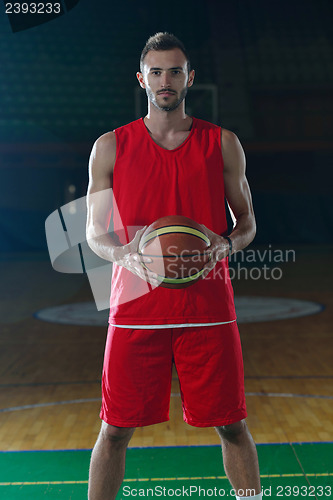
(166, 121)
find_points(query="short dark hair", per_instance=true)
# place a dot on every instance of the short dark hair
(164, 41)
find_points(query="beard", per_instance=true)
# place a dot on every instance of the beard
(168, 106)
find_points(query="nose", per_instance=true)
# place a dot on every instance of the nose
(165, 80)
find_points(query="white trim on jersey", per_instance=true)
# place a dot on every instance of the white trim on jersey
(181, 325)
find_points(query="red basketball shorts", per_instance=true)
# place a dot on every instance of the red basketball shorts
(137, 374)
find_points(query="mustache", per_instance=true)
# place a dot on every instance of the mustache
(166, 90)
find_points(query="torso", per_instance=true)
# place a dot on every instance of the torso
(181, 176)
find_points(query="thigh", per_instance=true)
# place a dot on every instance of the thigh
(209, 364)
(136, 381)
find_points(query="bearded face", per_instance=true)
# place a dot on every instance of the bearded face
(166, 99)
(165, 78)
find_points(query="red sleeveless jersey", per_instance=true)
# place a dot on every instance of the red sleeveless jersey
(150, 182)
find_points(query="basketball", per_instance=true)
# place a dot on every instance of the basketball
(178, 247)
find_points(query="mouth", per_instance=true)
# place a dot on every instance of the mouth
(166, 92)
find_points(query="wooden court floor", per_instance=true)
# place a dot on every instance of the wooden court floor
(50, 373)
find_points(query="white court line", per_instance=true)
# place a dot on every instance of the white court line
(173, 394)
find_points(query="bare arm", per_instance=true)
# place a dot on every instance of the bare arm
(99, 210)
(238, 195)
(237, 192)
(99, 197)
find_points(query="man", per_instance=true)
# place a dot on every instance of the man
(170, 163)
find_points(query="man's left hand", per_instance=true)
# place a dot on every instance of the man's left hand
(219, 249)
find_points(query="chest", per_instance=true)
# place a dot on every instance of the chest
(170, 142)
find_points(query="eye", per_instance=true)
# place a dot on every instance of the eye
(156, 72)
(176, 72)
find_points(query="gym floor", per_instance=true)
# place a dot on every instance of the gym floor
(50, 391)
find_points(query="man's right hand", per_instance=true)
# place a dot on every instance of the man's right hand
(128, 256)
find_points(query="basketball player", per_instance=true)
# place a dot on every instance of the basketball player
(170, 163)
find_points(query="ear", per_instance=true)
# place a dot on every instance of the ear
(191, 78)
(141, 80)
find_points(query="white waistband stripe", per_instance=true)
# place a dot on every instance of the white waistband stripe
(181, 325)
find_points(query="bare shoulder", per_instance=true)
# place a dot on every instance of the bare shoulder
(229, 139)
(105, 145)
(107, 139)
(103, 154)
(232, 151)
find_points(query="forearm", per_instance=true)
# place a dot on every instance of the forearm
(243, 232)
(127, 256)
(104, 245)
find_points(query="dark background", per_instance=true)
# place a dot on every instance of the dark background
(66, 81)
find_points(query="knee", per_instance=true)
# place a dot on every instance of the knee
(232, 433)
(116, 436)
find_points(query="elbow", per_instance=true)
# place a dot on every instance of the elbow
(253, 228)
(90, 243)
(90, 237)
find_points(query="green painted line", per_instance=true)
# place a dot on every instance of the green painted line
(64, 474)
(42, 483)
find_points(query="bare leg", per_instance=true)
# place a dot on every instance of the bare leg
(240, 458)
(107, 466)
